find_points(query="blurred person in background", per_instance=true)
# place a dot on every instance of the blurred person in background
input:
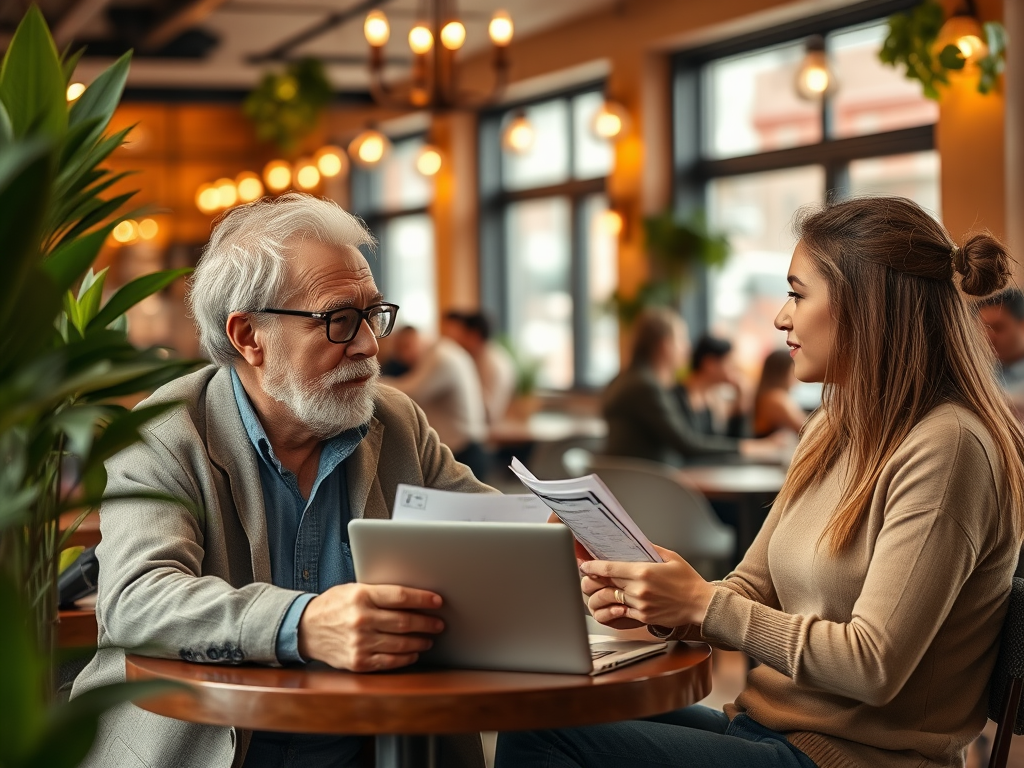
(1003, 318)
(712, 396)
(774, 406)
(644, 416)
(442, 379)
(494, 365)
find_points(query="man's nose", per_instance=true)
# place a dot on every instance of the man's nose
(364, 344)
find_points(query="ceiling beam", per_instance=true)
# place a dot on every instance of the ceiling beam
(190, 15)
(75, 19)
(282, 50)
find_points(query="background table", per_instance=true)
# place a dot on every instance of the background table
(393, 706)
(751, 487)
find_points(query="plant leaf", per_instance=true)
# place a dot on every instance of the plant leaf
(6, 129)
(22, 712)
(31, 81)
(100, 99)
(951, 58)
(67, 557)
(68, 63)
(131, 294)
(69, 261)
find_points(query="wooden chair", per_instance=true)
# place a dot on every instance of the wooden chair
(1007, 681)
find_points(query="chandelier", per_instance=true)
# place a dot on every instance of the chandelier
(435, 39)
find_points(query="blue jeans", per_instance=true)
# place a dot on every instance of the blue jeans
(694, 737)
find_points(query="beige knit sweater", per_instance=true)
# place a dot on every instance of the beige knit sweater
(880, 656)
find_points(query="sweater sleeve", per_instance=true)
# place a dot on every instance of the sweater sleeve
(922, 556)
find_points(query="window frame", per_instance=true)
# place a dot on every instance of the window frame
(693, 170)
(494, 202)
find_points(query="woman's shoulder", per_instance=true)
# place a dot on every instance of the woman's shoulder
(949, 423)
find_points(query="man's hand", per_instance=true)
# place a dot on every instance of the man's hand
(365, 627)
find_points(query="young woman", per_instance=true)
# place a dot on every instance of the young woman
(774, 407)
(874, 595)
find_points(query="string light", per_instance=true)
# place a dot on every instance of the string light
(519, 134)
(453, 35)
(249, 186)
(331, 161)
(429, 160)
(278, 175)
(148, 229)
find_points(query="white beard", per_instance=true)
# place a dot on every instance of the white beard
(321, 408)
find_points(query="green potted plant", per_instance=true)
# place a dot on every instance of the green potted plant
(65, 358)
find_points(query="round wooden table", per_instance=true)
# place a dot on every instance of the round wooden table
(395, 707)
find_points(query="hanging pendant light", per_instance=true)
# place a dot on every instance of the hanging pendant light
(518, 136)
(815, 78)
(369, 147)
(611, 121)
(429, 160)
(965, 32)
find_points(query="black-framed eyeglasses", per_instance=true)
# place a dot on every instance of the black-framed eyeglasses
(343, 324)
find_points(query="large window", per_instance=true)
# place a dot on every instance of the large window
(392, 198)
(548, 261)
(751, 152)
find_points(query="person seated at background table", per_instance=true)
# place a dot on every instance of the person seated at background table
(774, 406)
(701, 392)
(494, 365)
(875, 593)
(645, 419)
(1003, 318)
(278, 444)
(443, 381)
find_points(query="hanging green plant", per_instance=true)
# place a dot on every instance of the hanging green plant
(286, 106)
(912, 41)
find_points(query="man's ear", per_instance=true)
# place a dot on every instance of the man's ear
(242, 335)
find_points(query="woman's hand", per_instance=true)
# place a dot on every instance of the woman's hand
(624, 595)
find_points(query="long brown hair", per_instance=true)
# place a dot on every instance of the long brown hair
(776, 372)
(910, 341)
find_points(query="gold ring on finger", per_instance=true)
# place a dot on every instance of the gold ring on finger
(620, 596)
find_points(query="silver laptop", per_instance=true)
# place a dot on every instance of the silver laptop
(511, 593)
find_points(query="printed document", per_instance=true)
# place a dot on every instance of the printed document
(415, 503)
(594, 515)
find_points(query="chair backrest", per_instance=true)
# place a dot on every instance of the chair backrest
(671, 514)
(1010, 663)
(548, 458)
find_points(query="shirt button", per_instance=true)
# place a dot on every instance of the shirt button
(305, 574)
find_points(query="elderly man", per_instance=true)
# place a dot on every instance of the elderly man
(280, 443)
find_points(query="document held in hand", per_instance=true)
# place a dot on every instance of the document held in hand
(594, 515)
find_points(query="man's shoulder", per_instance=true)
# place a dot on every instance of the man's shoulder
(194, 394)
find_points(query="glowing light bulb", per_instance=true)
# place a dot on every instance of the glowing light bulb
(420, 39)
(148, 229)
(331, 161)
(500, 29)
(126, 232)
(610, 122)
(249, 186)
(306, 174)
(207, 198)
(814, 78)
(369, 147)
(227, 193)
(966, 33)
(453, 35)
(429, 161)
(519, 135)
(376, 28)
(611, 222)
(75, 90)
(278, 175)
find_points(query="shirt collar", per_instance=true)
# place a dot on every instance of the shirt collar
(335, 450)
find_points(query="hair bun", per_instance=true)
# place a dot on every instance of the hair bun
(984, 263)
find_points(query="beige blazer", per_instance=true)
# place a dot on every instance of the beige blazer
(176, 585)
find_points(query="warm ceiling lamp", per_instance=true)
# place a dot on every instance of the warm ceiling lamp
(518, 135)
(433, 82)
(207, 198)
(429, 161)
(127, 232)
(965, 32)
(249, 186)
(369, 147)
(611, 121)
(331, 161)
(148, 229)
(611, 222)
(306, 174)
(278, 175)
(227, 192)
(814, 78)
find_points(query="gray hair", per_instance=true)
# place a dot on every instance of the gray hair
(242, 268)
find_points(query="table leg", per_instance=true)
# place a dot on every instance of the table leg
(395, 751)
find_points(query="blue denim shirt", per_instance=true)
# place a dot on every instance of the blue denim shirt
(309, 551)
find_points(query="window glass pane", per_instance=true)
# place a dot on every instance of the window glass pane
(397, 183)
(914, 175)
(410, 275)
(547, 161)
(592, 156)
(872, 97)
(539, 295)
(747, 292)
(752, 106)
(601, 247)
